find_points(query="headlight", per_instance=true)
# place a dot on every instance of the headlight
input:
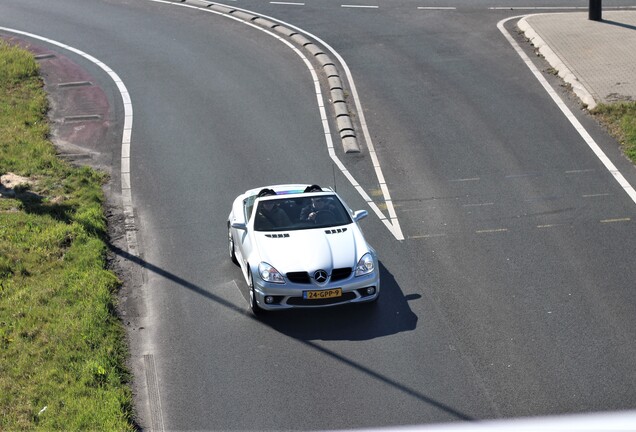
(269, 273)
(365, 265)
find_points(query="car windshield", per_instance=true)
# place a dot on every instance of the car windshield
(300, 212)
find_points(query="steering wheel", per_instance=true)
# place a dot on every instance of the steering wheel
(324, 216)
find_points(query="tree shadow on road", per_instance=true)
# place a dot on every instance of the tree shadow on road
(390, 315)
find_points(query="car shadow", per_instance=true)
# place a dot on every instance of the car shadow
(391, 314)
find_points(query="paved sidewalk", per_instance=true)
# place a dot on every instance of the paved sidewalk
(598, 58)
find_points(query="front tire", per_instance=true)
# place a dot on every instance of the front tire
(254, 307)
(230, 245)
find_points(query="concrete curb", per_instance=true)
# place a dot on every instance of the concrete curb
(555, 61)
(326, 67)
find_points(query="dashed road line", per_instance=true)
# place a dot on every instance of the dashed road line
(425, 236)
(471, 179)
(522, 175)
(360, 6)
(595, 195)
(580, 171)
(437, 8)
(550, 8)
(491, 231)
(286, 3)
(479, 204)
(605, 221)
(462, 231)
(536, 7)
(419, 209)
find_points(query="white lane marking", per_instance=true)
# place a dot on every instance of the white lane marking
(616, 220)
(536, 7)
(513, 176)
(391, 223)
(595, 195)
(490, 231)
(126, 189)
(360, 6)
(580, 171)
(154, 396)
(425, 236)
(436, 8)
(286, 3)
(566, 111)
(465, 179)
(478, 205)
(556, 7)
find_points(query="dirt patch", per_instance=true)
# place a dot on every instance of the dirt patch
(9, 182)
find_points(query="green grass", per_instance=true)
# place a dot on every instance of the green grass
(620, 121)
(62, 350)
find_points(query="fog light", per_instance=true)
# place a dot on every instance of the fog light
(269, 299)
(370, 290)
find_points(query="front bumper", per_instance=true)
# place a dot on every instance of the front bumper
(290, 295)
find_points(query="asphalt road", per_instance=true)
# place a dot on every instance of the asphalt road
(511, 295)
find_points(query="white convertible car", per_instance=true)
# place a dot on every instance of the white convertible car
(301, 246)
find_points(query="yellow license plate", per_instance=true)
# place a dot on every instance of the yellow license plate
(323, 294)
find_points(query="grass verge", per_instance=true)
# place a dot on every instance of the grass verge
(62, 349)
(620, 120)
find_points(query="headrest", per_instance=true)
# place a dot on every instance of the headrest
(313, 188)
(265, 192)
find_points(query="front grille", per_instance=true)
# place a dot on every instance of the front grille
(299, 301)
(340, 274)
(304, 278)
(298, 277)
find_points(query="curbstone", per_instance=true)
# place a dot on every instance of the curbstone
(283, 30)
(345, 126)
(242, 15)
(265, 23)
(324, 60)
(347, 134)
(334, 83)
(222, 9)
(337, 95)
(330, 70)
(341, 109)
(313, 49)
(199, 3)
(555, 61)
(300, 39)
(350, 145)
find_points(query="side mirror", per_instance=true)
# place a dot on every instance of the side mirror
(359, 215)
(239, 225)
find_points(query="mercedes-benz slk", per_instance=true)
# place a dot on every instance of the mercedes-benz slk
(301, 246)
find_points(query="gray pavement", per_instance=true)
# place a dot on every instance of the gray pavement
(598, 58)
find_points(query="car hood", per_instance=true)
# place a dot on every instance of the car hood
(311, 250)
